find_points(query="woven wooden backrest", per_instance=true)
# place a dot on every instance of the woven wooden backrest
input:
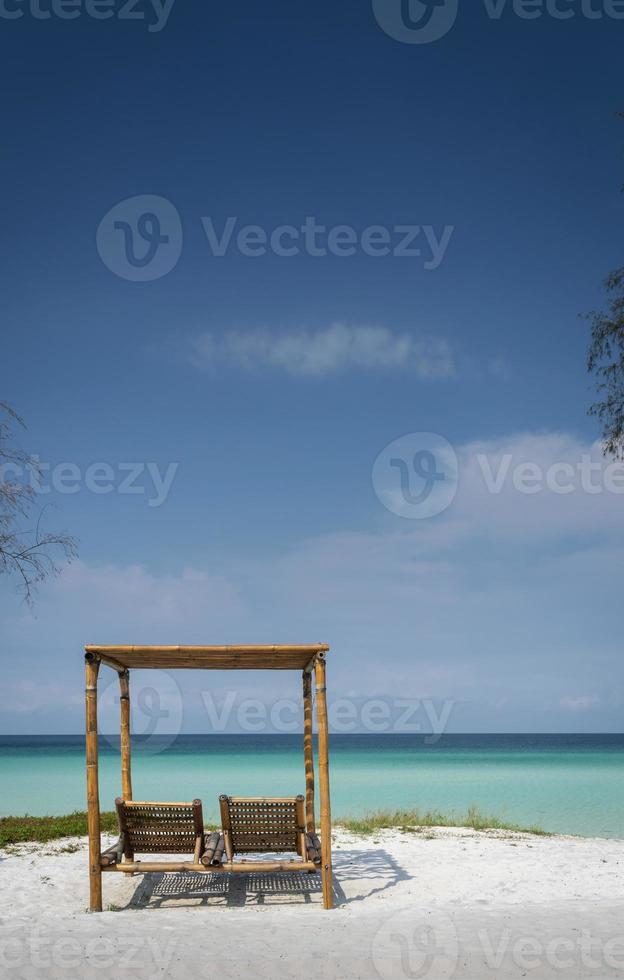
(263, 824)
(170, 828)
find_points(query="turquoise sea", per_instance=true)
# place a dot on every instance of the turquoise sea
(566, 783)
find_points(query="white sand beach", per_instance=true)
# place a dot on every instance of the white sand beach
(434, 903)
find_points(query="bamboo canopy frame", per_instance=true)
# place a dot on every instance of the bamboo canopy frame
(308, 659)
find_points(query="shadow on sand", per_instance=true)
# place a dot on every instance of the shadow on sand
(363, 873)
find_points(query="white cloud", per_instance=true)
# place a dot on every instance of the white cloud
(144, 601)
(331, 350)
(537, 485)
(26, 696)
(496, 600)
(583, 703)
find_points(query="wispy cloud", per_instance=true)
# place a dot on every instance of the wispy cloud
(507, 603)
(332, 350)
(583, 703)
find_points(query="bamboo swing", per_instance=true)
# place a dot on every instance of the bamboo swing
(249, 825)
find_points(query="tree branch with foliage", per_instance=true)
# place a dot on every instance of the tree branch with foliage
(26, 550)
(606, 362)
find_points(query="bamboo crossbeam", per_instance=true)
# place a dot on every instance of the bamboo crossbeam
(238, 867)
(141, 803)
(110, 662)
(261, 799)
(274, 657)
(310, 648)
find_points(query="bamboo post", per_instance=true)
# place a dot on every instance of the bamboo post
(308, 751)
(124, 708)
(323, 762)
(92, 666)
(226, 826)
(301, 836)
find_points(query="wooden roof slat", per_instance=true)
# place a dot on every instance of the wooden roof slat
(275, 657)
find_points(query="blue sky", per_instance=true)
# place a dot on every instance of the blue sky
(275, 382)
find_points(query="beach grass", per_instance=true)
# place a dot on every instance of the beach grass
(412, 819)
(21, 830)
